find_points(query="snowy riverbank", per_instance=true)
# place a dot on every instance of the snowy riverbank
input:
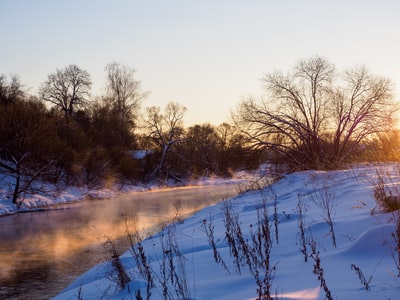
(361, 266)
(53, 197)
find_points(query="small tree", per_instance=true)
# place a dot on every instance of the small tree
(165, 130)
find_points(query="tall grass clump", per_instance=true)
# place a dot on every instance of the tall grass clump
(171, 277)
(238, 247)
(118, 273)
(138, 253)
(172, 266)
(386, 192)
(254, 250)
(264, 271)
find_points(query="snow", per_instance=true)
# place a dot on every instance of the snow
(140, 154)
(363, 236)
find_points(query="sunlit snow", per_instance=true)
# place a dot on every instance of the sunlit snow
(364, 237)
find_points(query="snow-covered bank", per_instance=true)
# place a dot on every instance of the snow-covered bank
(52, 197)
(364, 242)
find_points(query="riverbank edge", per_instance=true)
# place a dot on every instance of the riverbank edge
(55, 199)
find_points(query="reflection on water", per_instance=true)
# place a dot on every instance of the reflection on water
(41, 252)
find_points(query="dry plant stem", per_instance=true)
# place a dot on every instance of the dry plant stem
(80, 295)
(301, 223)
(138, 296)
(396, 237)
(209, 230)
(276, 218)
(231, 224)
(173, 265)
(323, 198)
(318, 270)
(256, 255)
(263, 247)
(138, 253)
(361, 276)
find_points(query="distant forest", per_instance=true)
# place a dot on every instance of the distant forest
(313, 118)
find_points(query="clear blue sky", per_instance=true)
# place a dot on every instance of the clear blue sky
(204, 54)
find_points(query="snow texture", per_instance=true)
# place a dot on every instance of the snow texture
(363, 236)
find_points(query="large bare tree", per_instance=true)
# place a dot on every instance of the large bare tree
(68, 89)
(315, 117)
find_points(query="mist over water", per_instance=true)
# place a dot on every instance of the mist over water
(42, 252)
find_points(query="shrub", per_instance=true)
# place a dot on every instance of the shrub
(386, 192)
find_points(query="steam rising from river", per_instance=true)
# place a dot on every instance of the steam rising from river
(72, 239)
(90, 231)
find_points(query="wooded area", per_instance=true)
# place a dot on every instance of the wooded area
(67, 137)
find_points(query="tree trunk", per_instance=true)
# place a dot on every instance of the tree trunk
(17, 185)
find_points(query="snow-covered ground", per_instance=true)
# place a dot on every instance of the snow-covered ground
(363, 237)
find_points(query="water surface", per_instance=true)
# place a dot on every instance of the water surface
(42, 252)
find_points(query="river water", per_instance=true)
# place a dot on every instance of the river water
(42, 252)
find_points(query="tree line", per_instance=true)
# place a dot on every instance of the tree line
(313, 117)
(65, 136)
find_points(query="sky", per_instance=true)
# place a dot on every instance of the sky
(207, 55)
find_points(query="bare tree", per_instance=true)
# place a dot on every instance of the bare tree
(121, 103)
(165, 129)
(10, 89)
(67, 89)
(316, 117)
(123, 90)
(360, 110)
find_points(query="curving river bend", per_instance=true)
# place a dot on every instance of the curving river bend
(42, 252)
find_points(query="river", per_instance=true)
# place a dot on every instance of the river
(42, 252)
